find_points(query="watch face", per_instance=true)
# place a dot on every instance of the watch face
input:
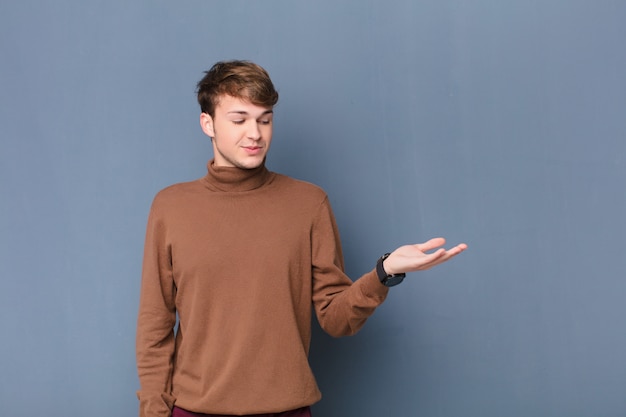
(393, 280)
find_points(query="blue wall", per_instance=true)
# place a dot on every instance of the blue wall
(498, 123)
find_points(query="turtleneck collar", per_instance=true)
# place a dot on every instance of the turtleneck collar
(232, 179)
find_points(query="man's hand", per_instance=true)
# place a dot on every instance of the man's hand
(410, 258)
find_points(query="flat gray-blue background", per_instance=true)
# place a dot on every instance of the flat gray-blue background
(498, 123)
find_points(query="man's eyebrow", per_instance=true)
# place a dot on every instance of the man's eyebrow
(242, 112)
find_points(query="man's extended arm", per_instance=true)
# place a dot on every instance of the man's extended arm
(342, 307)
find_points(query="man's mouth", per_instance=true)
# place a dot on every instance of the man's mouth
(253, 149)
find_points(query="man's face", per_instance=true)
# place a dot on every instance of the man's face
(241, 132)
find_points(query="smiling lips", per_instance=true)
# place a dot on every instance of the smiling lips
(253, 149)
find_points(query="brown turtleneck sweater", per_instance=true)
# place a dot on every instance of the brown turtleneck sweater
(240, 256)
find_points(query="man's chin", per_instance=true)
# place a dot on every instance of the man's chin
(250, 163)
(241, 163)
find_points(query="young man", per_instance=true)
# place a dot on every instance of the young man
(240, 256)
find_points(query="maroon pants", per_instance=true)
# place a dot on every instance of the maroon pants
(300, 412)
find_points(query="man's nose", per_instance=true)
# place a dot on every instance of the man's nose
(253, 131)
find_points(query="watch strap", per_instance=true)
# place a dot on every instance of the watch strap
(386, 279)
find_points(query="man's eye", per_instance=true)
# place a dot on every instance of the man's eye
(265, 122)
(238, 122)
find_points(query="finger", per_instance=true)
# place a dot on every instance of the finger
(457, 249)
(430, 259)
(445, 256)
(431, 244)
(451, 253)
(440, 256)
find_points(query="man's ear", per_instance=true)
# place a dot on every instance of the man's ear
(206, 123)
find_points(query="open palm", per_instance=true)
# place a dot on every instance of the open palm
(418, 257)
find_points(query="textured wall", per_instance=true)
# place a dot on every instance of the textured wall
(502, 124)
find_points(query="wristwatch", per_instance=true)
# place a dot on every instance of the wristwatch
(386, 279)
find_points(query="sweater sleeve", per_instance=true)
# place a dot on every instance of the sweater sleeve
(342, 307)
(155, 323)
